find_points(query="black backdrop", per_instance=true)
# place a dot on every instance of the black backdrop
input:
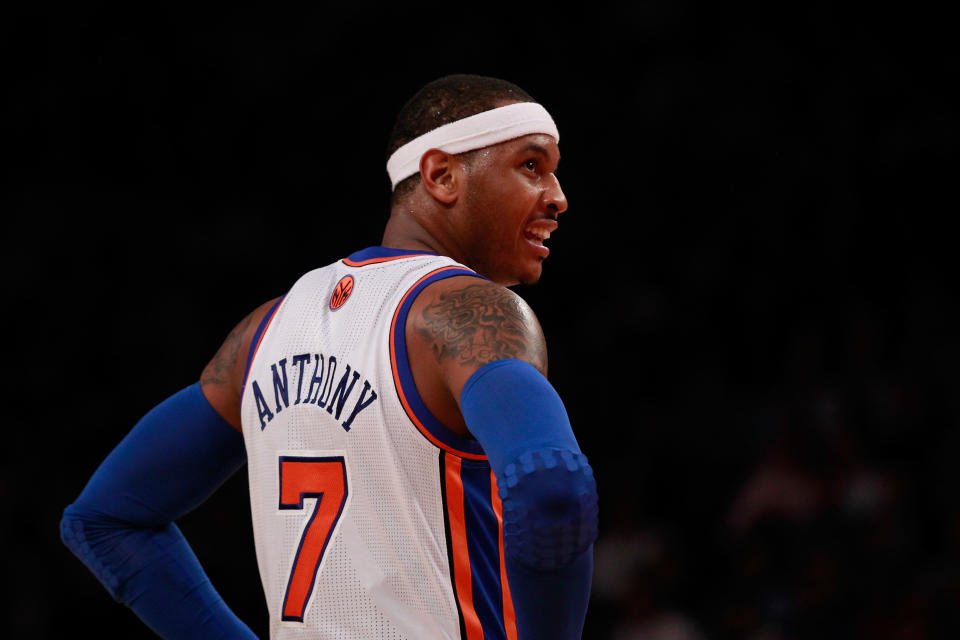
(748, 305)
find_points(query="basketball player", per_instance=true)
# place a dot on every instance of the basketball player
(412, 472)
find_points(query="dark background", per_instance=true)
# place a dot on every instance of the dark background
(748, 305)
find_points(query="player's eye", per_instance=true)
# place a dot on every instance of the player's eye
(531, 164)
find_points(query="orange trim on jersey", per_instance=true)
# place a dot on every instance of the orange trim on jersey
(463, 577)
(263, 333)
(257, 348)
(509, 616)
(399, 386)
(363, 263)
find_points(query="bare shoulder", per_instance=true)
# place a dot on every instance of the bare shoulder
(468, 322)
(222, 377)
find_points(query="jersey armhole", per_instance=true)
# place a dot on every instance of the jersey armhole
(429, 426)
(255, 341)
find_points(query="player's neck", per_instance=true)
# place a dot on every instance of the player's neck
(405, 231)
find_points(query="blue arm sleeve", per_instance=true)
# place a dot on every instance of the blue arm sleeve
(121, 526)
(548, 491)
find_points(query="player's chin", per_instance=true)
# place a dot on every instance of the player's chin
(531, 272)
(523, 265)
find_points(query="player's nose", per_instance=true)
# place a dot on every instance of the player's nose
(554, 199)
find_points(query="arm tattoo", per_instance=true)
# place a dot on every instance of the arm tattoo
(479, 324)
(223, 363)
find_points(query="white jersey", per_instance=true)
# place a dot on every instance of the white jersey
(371, 519)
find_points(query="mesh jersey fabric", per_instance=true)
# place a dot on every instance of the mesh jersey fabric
(369, 520)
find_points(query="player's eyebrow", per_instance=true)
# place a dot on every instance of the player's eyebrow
(533, 146)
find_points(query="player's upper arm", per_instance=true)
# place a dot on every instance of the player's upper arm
(222, 378)
(459, 324)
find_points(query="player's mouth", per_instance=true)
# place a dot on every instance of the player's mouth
(537, 232)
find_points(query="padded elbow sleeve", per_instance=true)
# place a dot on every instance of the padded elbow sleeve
(121, 525)
(549, 507)
(546, 485)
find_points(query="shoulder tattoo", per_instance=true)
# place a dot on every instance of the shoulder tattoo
(481, 323)
(219, 370)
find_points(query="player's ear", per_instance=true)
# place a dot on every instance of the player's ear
(441, 175)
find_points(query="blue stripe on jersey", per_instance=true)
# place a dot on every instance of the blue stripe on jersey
(484, 545)
(429, 421)
(256, 340)
(384, 252)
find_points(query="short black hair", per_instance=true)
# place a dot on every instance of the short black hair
(447, 100)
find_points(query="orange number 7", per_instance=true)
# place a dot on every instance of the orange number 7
(323, 478)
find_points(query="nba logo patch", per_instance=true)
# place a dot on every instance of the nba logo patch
(341, 292)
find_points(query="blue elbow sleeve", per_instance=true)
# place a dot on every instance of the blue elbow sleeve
(546, 485)
(549, 507)
(121, 525)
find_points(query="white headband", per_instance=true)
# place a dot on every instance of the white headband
(473, 132)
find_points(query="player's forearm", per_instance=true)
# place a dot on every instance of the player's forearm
(121, 525)
(155, 573)
(551, 604)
